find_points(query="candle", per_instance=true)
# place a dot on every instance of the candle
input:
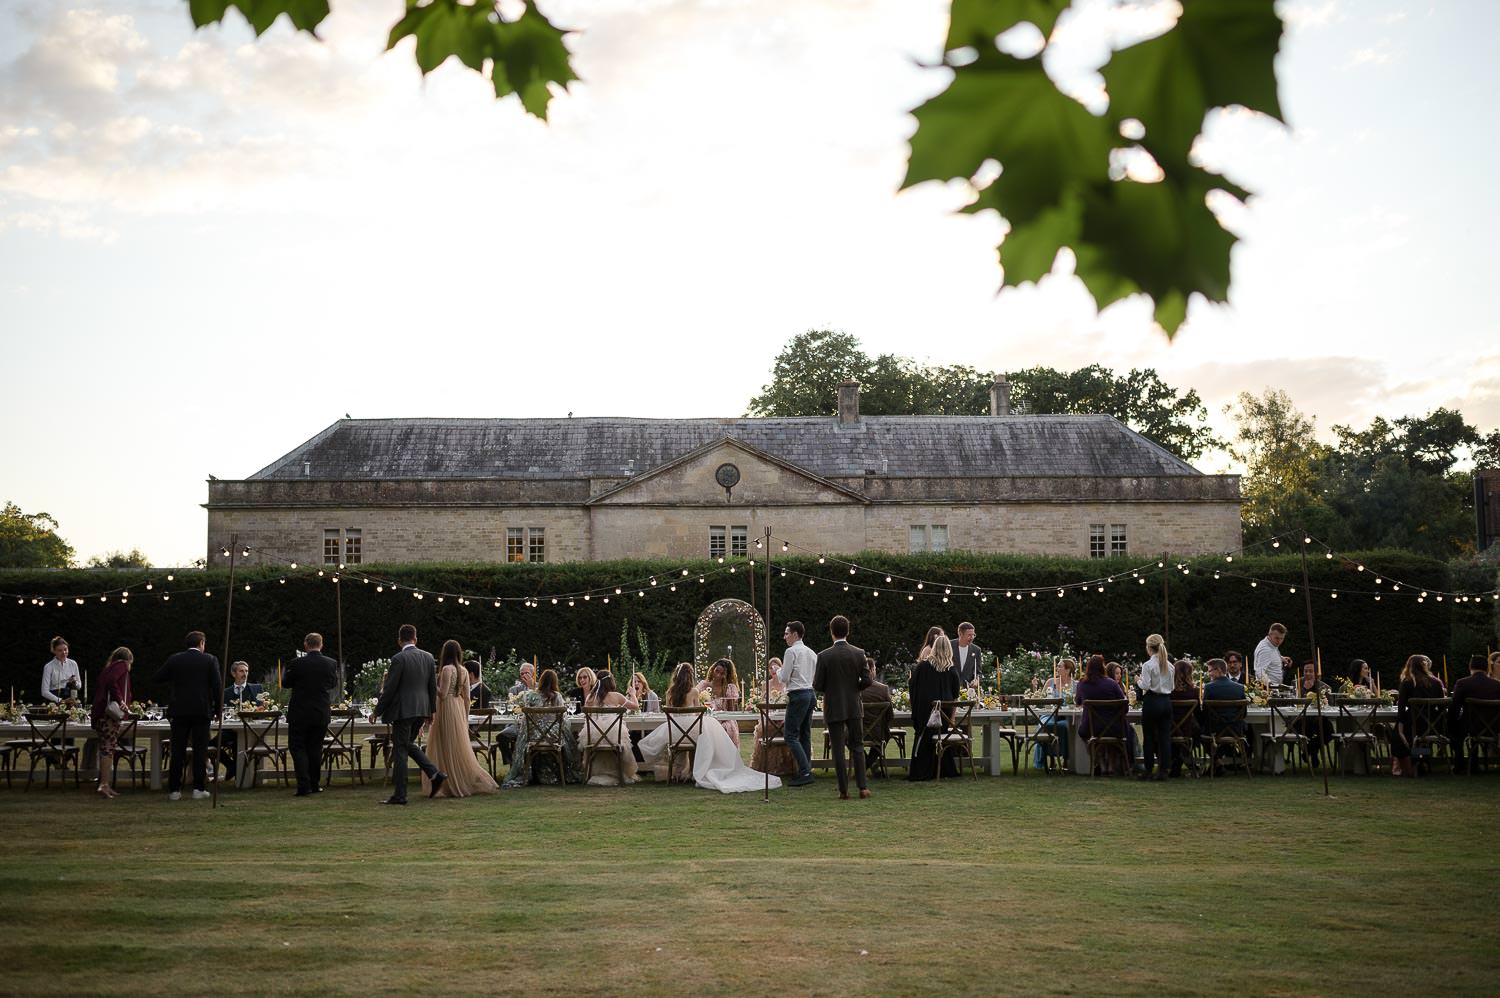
(1445, 672)
(278, 673)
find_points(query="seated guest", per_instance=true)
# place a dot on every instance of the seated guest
(239, 693)
(775, 759)
(723, 688)
(1360, 674)
(526, 683)
(1183, 689)
(1477, 685)
(876, 692)
(526, 772)
(1234, 667)
(1319, 733)
(605, 695)
(1097, 685)
(586, 681)
(1416, 682)
(1061, 684)
(1221, 720)
(644, 694)
(479, 694)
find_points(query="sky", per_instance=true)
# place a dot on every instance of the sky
(212, 246)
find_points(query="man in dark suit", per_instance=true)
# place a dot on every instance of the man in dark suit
(239, 691)
(312, 678)
(406, 702)
(876, 692)
(967, 656)
(1221, 687)
(1477, 685)
(840, 676)
(193, 680)
(479, 694)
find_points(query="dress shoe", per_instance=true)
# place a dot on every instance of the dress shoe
(437, 783)
(843, 796)
(800, 781)
(201, 795)
(302, 793)
(175, 795)
(864, 794)
(394, 800)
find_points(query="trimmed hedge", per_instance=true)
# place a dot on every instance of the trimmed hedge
(1207, 615)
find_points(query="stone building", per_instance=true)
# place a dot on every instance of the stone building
(395, 490)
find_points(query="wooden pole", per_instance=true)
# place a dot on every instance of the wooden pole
(234, 543)
(1312, 643)
(766, 695)
(1166, 602)
(338, 605)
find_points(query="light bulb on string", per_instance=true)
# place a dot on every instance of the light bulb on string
(783, 545)
(380, 589)
(851, 571)
(672, 588)
(820, 559)
(169, 578)
(1229, 558)
(149, 587)
(887, 578)
(919, 585)
(1276, 542)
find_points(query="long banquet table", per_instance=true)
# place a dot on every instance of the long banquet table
(988, 721)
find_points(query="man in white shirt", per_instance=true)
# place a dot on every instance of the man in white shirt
(60, 677)
(796, 673)
(1269, 662)
(967, 656)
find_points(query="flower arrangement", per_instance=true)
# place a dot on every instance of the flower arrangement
(901, 699)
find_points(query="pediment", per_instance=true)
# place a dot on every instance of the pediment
(764, 480)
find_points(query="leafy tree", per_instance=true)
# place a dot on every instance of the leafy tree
(119, 559)
(1062, 183)
(1487, 451)
(806, 374)
(29, 540)
(1280, 491)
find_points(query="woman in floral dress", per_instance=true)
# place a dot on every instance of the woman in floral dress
(523, 771)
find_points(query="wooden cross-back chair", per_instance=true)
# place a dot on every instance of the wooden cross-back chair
(1356, 732)
(956, 736)
(544, 737)
(684, 728)
(482, 736)
(1041, 726)
(1287, 731)
(1222, 723)
(259, 742)
(339, 746)
(1106, 720)
(49, 744)
(604, 738)
(1482, 731)
(131, 752)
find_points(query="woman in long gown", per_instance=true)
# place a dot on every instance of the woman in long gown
(775, 759)
(523, 769)
(605, 695)
(448, 744)
(716, 761)
(931, 681)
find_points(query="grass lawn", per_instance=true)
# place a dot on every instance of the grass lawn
(1005, 885)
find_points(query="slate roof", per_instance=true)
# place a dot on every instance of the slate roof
(608, 447)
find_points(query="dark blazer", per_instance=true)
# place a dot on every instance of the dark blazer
(311, 678)
(840, 676)
(410, 686)
(1222, 688)
(970, 665)
(1474, 686)
(250, 692)
(193, 678)
(482, 695)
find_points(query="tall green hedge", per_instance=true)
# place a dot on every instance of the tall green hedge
(1206, 615)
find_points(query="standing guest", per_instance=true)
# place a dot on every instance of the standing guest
(1477, 685)
(406, 703)
(967, 656)
(1183, 689)
(518, 689)
(931, 681)
(1234, 665)
(114, 687)
(605, 695)
(1416, 682)
(876, 692)
(839, 676)
(723, 689)
(192, 676)
(312, 678)
(239, 692)
(448, 742)
(796, 674)
(60, 676)
(526, 771)
(479, 694)
(1270, 664)
(1157, 680)
(927, 642)
(1096, 684)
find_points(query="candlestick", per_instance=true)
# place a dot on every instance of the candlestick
(278, 673)
(1445, 672)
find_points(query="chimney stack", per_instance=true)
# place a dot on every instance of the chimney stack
(849, 403)
(1000, 396)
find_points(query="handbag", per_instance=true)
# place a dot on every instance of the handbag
(114, 710)
(935, 718)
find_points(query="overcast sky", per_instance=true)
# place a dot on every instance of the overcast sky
(212, 247)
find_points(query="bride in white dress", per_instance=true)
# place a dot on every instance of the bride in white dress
(716, 762)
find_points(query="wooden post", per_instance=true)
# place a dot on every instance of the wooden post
(1166, 602)
(766, 695)
(338, 606)
(1312, 643)
(234, 544)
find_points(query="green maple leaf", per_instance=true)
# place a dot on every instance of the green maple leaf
(977, 22)
(525, 55)
(1008, 109)
(305, 15)
(1221, 53)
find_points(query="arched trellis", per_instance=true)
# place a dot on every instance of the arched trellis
(732, 629)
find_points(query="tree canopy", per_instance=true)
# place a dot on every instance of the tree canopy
(1121, 189)
(30, 540)
(806, 374)
(136, 558)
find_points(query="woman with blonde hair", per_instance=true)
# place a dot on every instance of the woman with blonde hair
(1158, 677)
(448, 743)
(933, 680)
(114, 687)
(1417, 682)
(586, 681)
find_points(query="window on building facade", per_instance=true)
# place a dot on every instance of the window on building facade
(716, 547)
(1096, 541)
(331, 543)
(927, 537)
(939, 537)
(353, 545)
(515, 544)
(536, 544)
(739, 541)
(916, 538)
(1117, 543)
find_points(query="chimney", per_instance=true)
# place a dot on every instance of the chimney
(849, 403)
(1000, 396)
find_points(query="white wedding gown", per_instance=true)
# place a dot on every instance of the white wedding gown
(716, 763)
